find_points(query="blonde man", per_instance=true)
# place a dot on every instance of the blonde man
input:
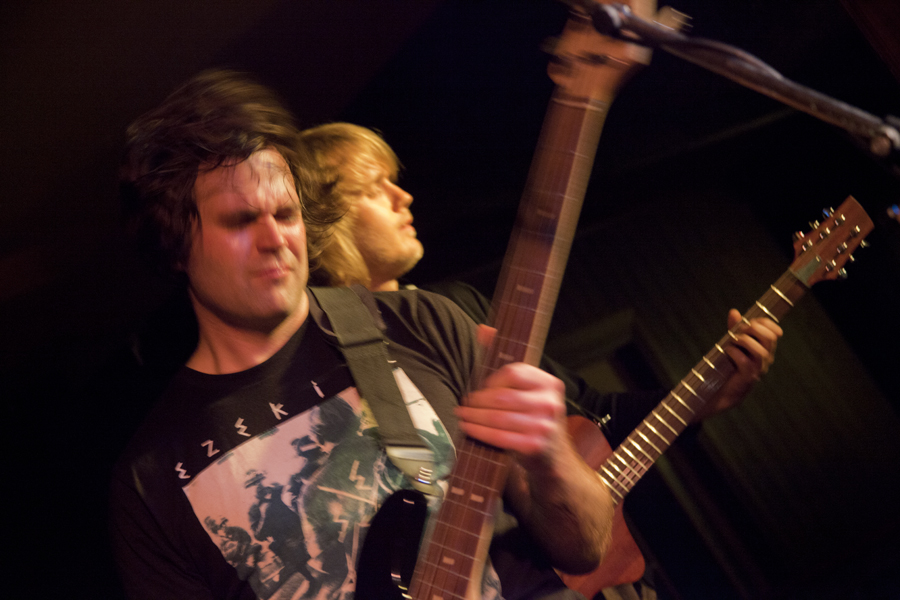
(375, 243)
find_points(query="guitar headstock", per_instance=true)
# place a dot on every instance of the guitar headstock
(823, 252)
(588, 64)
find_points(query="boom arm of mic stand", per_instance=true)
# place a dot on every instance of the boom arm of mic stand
(617, 20)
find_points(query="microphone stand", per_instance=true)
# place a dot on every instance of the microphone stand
(880, 136)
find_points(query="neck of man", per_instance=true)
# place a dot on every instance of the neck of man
(391, 285)
(224, 347)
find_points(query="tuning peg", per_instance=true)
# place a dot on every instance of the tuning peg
(799, 235)
(864, 244)
(827, 212)
(842, 274)
(842, 248)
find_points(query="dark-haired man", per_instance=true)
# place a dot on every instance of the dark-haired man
(264, 417)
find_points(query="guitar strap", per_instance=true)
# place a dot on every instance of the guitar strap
(351, 315)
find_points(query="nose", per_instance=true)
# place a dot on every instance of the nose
(401, 198)
(269, 235)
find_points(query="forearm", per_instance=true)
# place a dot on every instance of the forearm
(566, 508)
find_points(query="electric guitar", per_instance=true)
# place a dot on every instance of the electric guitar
(819, 255)
(588, 70)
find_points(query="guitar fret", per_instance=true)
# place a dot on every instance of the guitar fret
(442, 593)
(527, 303)
(626, 480)
(646, 439)
(766, 310)
(665, 422)
(641, 450)
(515, 311)
(636, 459)
(698, 375)
(469, 507)
(445, 589)
(711, 364)
(783, 297)
(469, 539)
(605, 469)
(535, 272)
(582, 103)
(658, 434)
(481, 455)
(610, 483)
(691, 390)
(675, 414)
(626, 465)
(680, 400)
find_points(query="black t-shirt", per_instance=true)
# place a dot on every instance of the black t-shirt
(262, 483)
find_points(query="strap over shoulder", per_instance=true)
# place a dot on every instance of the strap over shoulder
(351, 320)
(351, 317)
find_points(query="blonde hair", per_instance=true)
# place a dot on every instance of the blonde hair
(341, 156)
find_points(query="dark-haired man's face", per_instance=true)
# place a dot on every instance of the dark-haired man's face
(248, 263)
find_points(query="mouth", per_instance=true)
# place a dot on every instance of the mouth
(273, 272)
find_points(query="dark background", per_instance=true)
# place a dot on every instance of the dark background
(459, 89)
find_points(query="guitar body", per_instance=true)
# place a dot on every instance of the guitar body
(624, 562)
(388, 557)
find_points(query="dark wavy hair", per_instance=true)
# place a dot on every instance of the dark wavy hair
(217, 117)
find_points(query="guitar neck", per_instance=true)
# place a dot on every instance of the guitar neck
(545, 225)
(451, 563)
(634, 456)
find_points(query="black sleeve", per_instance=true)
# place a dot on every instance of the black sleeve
(175, 560)
(148, 564)
(619, 413)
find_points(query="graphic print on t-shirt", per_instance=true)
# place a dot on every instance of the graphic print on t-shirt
(289, 509)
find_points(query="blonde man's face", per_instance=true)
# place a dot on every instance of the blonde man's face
(382, 229)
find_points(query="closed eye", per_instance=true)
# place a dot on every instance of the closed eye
(239, 220)
(287, 214)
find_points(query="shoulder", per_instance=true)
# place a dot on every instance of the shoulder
(422, 308)
(143, 456)
(431, 326)
(469, 299)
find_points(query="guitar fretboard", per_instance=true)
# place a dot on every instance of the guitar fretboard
(634, 456)
(453, 558)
